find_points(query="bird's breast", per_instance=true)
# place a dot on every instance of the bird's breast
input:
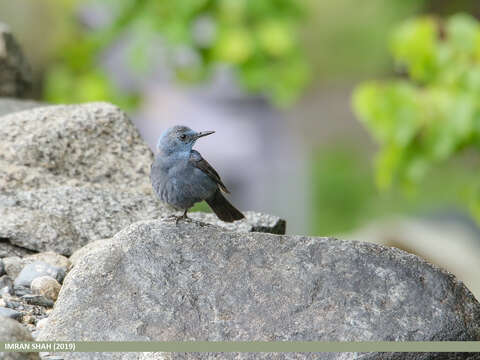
(180, 184)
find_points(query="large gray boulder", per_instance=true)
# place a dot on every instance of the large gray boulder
(10, 105)
(92, 143)
(11, 331)
(63, 219)
(198, 282)
(15, 72)
(8, 249)
(20, 177)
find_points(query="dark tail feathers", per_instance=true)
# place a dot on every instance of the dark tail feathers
(223, 209)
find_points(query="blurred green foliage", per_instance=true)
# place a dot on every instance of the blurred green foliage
(348, 42)
(259, 39)
(431, 114)
(344, 195)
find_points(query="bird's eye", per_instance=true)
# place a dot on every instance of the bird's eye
(183, 137)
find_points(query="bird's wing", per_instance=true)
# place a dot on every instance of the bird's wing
(199, 162)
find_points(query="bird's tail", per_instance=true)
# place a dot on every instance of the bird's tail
(223, 209)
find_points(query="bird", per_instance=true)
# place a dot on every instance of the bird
(181, 177)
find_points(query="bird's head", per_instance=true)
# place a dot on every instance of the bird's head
(179, 139)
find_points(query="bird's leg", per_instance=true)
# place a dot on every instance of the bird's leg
(181, 217)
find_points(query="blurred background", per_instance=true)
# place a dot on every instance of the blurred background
(360, 121)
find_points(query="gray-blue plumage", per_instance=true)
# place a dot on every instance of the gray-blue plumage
(181, 177)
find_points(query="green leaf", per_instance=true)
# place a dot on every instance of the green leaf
(462, 33)
(414, 44)
(235, 45)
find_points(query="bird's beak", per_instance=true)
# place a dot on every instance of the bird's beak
(202, 134)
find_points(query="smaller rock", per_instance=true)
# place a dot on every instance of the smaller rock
(39, 300)
(21, 290)
(51, 258)
(12, 331)
(35, 270)
(10, 313)
(6, 285)
(46, 286)
(12, 302)
(13, 265)
(2, 268)
(28, 319)
(253, 222)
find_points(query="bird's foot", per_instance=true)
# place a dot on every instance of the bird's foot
(177, 218)
(181, 217)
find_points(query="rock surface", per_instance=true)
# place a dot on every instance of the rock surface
(36, 230)
(20, 177)
(39, 300)
(11, 330)
(50, 258)
(253, 222)
(6, 285)
(13, 265)
(92, 143)
(27, 309)
(10, 313)
(15, 72)
(10, 105)
(196, 282)
(36, 270)
(46, 286)
(64, 219)
(7, 249)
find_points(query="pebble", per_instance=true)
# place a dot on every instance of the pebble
(6, 285)
(38, 269)
(21, 290)
(28, 319)
(10, 313)
(12, 302)
(13, 265)
(39, 300)
(29, 298)
(46, 286)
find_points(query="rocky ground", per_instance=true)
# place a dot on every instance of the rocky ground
(29, 286)
(88, 253)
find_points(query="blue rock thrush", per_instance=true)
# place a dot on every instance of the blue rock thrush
(181, 177)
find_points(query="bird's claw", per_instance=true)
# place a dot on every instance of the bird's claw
(181, 217)
(177, 218)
